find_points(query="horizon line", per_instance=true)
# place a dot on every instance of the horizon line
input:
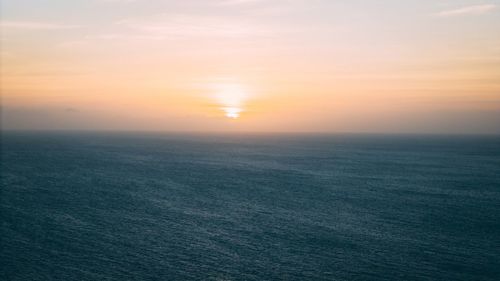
(213, 132)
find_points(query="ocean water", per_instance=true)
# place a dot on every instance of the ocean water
(96, 206)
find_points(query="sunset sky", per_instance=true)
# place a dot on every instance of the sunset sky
(414, 66)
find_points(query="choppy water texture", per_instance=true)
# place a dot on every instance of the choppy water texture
(90, 206)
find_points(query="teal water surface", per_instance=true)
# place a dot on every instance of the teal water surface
(117, 206)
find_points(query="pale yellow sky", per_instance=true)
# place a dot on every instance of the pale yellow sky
(252, 65)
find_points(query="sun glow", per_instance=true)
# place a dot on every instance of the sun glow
(231, 98)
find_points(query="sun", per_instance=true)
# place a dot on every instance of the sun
(232, 112)
(231, 98)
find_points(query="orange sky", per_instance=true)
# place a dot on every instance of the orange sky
(250, 65)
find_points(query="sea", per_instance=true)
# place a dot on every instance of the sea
(182, 206)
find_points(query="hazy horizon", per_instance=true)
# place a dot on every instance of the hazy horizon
(424, 67)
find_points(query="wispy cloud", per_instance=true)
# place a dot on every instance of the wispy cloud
(237, 2)
(31, 25)
(165, 26)
(118, 1)
(469, 10)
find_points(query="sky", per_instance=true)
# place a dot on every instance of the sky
(383, 66)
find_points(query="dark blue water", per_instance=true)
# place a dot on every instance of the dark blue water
(90, 206)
